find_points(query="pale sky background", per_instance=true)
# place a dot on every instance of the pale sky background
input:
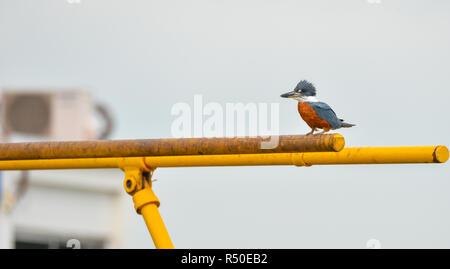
(382, 66)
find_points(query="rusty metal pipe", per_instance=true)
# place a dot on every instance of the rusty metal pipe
(171, 147)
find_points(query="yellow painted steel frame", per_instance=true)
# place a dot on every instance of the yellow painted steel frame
(139, 170)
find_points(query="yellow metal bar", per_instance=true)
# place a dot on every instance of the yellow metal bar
(171, 147)
(381, 155)
(138, 184)
(367, 155)
(146, 203)
(156, 227)
(358, 155)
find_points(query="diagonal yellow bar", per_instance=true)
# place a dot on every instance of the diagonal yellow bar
(357, 155)
(156, 227)
(138, 184)
(146, 204)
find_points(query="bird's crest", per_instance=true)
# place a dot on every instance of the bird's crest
(306, 88)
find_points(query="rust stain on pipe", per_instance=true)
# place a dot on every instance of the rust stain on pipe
(170, 147)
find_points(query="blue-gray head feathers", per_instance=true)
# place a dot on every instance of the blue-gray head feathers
(305, 88)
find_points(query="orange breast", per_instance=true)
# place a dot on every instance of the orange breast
(310, 117)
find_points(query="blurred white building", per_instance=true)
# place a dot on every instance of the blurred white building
(56, 206)
(63, 208)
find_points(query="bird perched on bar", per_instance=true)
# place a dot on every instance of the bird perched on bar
(318, 115)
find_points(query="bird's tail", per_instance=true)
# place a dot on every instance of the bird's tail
(346, 125)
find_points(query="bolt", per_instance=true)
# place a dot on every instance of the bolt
(129, 183)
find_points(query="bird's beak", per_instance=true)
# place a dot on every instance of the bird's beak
(291, 94)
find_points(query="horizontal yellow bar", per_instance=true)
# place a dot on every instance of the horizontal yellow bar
(381, 155)
(359, 155)
(364, 155)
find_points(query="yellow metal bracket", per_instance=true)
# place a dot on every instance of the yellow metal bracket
(138, 184)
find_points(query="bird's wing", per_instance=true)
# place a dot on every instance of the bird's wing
(325, 112)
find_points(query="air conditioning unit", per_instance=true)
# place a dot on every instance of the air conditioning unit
(57, 114)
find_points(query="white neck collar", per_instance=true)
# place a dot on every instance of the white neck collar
(307, 99)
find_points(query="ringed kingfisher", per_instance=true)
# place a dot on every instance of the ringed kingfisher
(318, 115)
